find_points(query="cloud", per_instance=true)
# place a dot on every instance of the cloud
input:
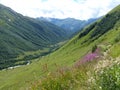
(80, 9)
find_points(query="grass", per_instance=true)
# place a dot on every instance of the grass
(82, 77)
(65, 79)
(70, 53)
(115, 51)
(83, 83)
(65, 56)
(22, 77)
(108, 78)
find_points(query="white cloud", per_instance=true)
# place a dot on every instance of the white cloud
(80, 9)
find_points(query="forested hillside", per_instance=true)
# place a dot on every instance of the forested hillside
(20, 34)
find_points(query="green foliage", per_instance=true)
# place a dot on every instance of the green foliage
(19, 34)
(109, 78)
(117, 39)
(102, 26)
(106, 24)
(94, 48)
(63, 79)
(115, 51)
(87, 30)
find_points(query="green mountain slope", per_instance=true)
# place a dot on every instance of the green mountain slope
(104, 33)
(19, 34)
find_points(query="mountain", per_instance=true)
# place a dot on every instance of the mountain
(89, 61)
(71, 25)
(20, 34)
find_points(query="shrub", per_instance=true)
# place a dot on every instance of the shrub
(109, 78)
(117, 39)
(94, 48)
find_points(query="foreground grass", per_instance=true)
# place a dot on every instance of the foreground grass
(66, 79)
(108, 78)
(115, 51)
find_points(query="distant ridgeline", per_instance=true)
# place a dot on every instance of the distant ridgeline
(20, 34)
(70, 25)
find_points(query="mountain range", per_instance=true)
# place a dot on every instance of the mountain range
(70, 25)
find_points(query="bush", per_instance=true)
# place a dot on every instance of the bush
(109, 78)
(117, 39)
(94, 48)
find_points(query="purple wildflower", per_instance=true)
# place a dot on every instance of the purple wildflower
(89, 57)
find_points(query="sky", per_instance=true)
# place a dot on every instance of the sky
(79, 9)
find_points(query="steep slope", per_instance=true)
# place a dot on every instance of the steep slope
(71, 25)
(105, 31)
(19, 34)
(102, 26)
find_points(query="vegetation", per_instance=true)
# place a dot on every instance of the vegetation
(108, 78)
(19, 34)
(94, 48)
(73, 65)
(117, 39)
(115, 51)
(87, 30)
(64, 79)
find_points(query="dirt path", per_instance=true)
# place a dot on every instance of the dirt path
(108, 60)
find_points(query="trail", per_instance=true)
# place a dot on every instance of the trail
(105, 61)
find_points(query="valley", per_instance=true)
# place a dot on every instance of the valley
(20, 36)
(90, 60)
(70, 25)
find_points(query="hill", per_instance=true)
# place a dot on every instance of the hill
(90, 60)
(71, 25)
(20, 34)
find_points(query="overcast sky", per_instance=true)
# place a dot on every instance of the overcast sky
(79, 9)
